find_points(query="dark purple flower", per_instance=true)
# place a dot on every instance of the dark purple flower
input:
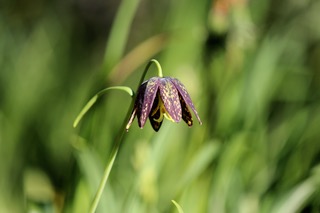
(162, 97)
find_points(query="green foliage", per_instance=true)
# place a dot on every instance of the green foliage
(252, 71)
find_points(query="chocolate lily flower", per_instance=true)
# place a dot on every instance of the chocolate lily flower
(162, 97)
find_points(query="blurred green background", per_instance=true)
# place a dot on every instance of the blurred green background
(252, 69)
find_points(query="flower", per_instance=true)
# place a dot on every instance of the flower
(161, 97)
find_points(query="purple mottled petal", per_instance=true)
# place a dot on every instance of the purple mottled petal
(137, 104)
(170, 99)
(139, 99)
(133, 115)
(149, 96)
(186, 114)
(185, 95)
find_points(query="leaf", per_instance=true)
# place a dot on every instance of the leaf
(94, 99)
(180, 210)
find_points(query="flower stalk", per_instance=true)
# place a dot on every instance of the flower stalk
(115, 150)
(147, 68)
(155, 98)
(119, 137)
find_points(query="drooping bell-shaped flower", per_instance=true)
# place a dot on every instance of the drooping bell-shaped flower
(161, 97)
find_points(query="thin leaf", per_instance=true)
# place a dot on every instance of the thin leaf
(180, 210)
(94, 99)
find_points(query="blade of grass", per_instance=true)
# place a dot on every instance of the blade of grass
(180, 210)
(94, 99)
(119, 33)
(137, 57)
(294, 200)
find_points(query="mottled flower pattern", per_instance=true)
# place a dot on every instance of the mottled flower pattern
(162, 97)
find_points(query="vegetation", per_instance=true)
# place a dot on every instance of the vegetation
(250, 67)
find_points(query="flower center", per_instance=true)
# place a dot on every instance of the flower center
(160, 111)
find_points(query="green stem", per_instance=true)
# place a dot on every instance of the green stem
(84, 110)
(120, 135)
(103, 182)
(110, 163)
(147, 68)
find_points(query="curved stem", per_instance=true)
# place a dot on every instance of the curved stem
(121, 133)
(113, 156)
(147, 68)
(158, 67)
